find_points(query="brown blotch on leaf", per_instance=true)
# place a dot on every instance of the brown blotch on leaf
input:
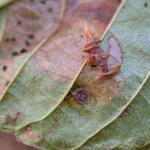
(27, 134)
(12, 120)
(81, 95)
(7, 39)
(102, 90)
(14, 53)
(96, 56)
(125, 113)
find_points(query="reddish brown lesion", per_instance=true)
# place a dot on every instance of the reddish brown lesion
(125, 113)
(81, 95)
(29, 135)
(98, 57)
(12, 120)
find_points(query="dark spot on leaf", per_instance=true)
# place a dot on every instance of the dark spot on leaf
(31, 36)
(43, 2)
(125, 113)
(82, 95)
(145, 4)
(7, 40)
(93, 65)
(23, 51)
(4, 68)
(18, 22)
(50, 9)
(14, 53)
(13, 39)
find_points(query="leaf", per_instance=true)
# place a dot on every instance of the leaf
(43, 82)
(2, 60)
(32, 21)
(71, 124)
(5, 2)
(2, 20)
(25, 18)
(131, 130)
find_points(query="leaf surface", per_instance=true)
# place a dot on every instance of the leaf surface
(46, 78)
(131, 130)
(3, 61)
(5, 2)
(32, 22)
(71, 124)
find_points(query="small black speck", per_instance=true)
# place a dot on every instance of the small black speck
(93, 66)
(23, 50)
(31, 36)
(14, 53)
(81, 36)
(7, 40)
(145, 4)
(43, 2)
(13, 39)
(50, 9)
(4, 68)
(19, 22)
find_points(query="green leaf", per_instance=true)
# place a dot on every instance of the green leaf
(131, 130)
(5, 2)
(2, 22)
(71, 124)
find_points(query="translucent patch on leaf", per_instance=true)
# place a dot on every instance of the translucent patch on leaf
(115, 49)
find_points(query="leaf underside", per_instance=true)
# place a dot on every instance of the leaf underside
(71, 124)
(131, 130)
(33, 23)
(46, 78)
